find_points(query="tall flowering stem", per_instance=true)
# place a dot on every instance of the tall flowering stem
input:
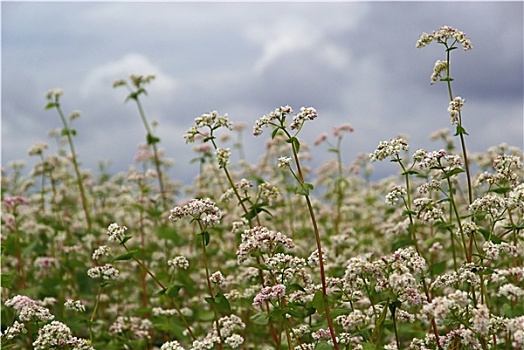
(53, 96)
(138, 82)
(392, 149)
(206, 214)
(211, 122)
(116, 233)
(277, 120)
(450, 38)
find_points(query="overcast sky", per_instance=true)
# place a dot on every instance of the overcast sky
(355, 62)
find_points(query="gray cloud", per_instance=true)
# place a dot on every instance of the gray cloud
(355, 62)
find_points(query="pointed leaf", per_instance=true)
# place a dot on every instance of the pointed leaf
(260, 318)
(126, 256)
(318, 302)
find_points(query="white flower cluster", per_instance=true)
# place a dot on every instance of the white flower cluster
(138, 327)
(57, 335)
(106, 272)
(29, 309)
(390, 148)
(427, 209)
(171, 345)
(454, 109)
(222, 155)
(37, 149)
(442, 35)
(284, 162)
(75, 305)
(217, 278)
(210, 120)
(306, 113)
(396, 193)
(440, 66)
(158, 311)
(441, 307)
(437, 159)
(179, 262)
(54, 94)
(491, 203)
(202, 209)
(262, 239)
(493, 250)
(268, 192)
(278, 114)
(12, 331)
(101, 251)
(116, 233)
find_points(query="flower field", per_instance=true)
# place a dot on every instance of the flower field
(267, 254)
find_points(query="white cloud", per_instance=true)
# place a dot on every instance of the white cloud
(100, 79)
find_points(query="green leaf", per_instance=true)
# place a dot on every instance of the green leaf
(126, 256)
(205, 237)
(500, 190)
(220, 303)
(304, 189)
(6, 280)
(173, 290)
(438, 268)
(50, 105)
(318, 302)
(294, 143)
(152, 139)
(170, 233)
(452, 172)
(460, 130)
(411, 172)
(337, 312)
(255, 209)
(260, 318)
(369, 346)
(274, 133)
(126, 238)
(294, 287)
(323, 346)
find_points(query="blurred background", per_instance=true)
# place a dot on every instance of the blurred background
(355, 62)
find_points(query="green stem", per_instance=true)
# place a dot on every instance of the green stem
(75, 165)
(319, 248)
(155, 154)
(210, 288)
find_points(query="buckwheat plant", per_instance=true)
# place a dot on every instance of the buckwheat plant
(207, 215)
(466, 308)
(136, 88)
(53, 97)
(341, 183)
(277, 121)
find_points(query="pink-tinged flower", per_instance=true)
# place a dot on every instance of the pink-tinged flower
(269, 293)
(29, 309)
(13, 202)
(321, 138)
(337, 131)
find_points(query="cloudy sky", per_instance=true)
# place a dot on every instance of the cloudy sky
(355, 62)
